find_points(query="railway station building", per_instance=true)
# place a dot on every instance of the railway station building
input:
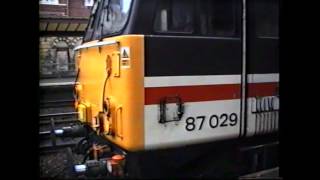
(62, 24)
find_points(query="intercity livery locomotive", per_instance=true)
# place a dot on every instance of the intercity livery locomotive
(163, 74)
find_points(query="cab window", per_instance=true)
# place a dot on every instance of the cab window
(219, 18)
(174, 16)
(108, 17)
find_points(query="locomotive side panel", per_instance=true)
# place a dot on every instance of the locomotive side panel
(206, 74)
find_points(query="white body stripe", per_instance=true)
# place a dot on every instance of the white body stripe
(261, 78)
(168, 81)
(175, 134)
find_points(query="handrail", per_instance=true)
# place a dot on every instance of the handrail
(95, 45)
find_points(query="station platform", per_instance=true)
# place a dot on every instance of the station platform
(56, 82)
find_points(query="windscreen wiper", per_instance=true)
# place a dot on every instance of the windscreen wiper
(104, 9)
(94, 12)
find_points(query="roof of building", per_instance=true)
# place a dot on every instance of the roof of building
(68, 26)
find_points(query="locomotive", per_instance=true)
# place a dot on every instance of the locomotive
(167, 75)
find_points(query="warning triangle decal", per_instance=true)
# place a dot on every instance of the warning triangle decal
(125, 54)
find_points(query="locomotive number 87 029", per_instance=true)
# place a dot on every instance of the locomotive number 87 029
(213, 121)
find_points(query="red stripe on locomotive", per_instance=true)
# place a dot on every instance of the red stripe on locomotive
(208, 92)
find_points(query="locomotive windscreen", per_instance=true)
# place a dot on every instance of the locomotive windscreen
(107, 18)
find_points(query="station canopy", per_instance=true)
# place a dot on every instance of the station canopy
(60, 26)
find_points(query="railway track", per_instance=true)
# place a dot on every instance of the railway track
(57, 103)
(56, 97)
(56, 110)
(48, 123)
(56, 107)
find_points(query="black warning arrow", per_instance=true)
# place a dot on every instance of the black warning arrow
(125, 54)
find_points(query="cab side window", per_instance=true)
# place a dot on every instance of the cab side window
(174, 16)
(219, 18)
(222, 18)
(267, 18)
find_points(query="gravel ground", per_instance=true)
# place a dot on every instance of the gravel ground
(55, 164)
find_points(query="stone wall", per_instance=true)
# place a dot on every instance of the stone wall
(56, 56)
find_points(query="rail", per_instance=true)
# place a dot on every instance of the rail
(48, 139)
(58, 114)
(58, 103)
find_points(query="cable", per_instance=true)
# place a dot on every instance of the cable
(104, 87)
(87, 155)
(74, 85)
(80, 149)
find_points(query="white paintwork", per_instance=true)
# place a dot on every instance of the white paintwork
(174, 134)
(262, 78)
(169, 81)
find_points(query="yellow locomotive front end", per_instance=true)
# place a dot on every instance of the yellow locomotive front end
(110, 89)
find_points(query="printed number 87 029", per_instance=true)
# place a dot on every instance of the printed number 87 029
(215, 121)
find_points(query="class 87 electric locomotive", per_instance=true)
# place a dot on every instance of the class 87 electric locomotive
(156, 74)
